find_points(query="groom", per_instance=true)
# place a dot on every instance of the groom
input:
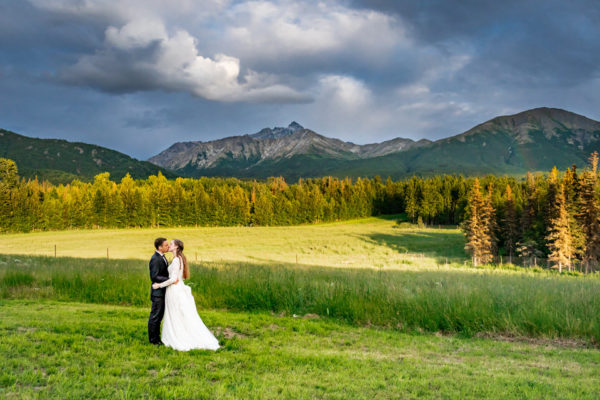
(158, 273)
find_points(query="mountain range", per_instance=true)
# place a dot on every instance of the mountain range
(248, 154)
(533, 140)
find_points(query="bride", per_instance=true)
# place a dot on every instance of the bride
(183, 328)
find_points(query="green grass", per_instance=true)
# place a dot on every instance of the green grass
(369, 242)
(356, 309)
(469, 302)
(84, 351)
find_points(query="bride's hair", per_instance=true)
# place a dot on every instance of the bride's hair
(179, 244)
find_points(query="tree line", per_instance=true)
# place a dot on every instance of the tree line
(28, 204)
(556, 217)
(552, 215)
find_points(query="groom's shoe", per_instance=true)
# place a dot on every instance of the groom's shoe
(159, 343)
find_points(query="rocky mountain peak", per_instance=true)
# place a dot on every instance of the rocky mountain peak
(294, 125)
(531, 139)
(278, 132)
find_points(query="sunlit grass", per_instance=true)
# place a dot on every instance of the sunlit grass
(364, 243)
(56, 350)
(356, 309)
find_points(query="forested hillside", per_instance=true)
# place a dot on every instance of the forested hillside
(60, 161)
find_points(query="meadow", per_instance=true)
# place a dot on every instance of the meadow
(370, 242)
(357, 309)
(450, 300)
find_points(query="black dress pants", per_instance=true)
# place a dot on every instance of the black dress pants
(156, 315)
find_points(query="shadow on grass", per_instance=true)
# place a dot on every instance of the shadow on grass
(440, 245)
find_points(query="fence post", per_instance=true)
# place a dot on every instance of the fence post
(54, 251)
(107, 253)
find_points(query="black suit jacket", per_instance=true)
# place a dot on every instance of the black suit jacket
(158, 273)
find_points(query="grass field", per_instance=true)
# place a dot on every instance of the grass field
(392, 320)
(77, 351)
(533, 304)
(369, 242)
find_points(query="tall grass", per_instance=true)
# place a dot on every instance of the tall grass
(456, 301)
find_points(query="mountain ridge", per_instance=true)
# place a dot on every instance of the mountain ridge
(532, 140)
(535, 139)
(272, 143)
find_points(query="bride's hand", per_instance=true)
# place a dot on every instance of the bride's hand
(155, 286)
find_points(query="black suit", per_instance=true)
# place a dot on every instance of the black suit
(158, 273)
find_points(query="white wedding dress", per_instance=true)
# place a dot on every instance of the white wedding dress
(183, 328)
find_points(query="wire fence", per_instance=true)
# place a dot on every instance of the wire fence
(524, 262)
(544, 263)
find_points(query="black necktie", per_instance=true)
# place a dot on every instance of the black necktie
(165, 260)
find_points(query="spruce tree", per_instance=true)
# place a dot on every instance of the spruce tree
(573, 202)
(490, 227)
(559, 234)
(412, 204)
(478, 242)
(529, 212)
(509, 222)
(590, 213)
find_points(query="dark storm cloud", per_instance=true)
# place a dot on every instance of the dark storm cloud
(114, 71)
(35, 39)
(521, 42)
(141, 74)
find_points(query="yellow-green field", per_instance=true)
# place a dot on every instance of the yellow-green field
(356, 309)
(371, 242)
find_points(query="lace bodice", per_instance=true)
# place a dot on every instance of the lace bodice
(175, 271)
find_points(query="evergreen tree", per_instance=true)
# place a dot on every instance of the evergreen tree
(529, 212)
(590, 213)
(510, 228)
(411, 201)
(478, 242)
(490, 224)
(572, 198)
(559, 234)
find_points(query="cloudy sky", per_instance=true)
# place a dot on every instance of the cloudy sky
(139, 75)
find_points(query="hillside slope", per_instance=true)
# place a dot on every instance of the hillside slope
(60, 161)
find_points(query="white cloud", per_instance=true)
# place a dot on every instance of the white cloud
(296, 29)
(136, 33)
(142, 55)
(344, 92)
(206, 48)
